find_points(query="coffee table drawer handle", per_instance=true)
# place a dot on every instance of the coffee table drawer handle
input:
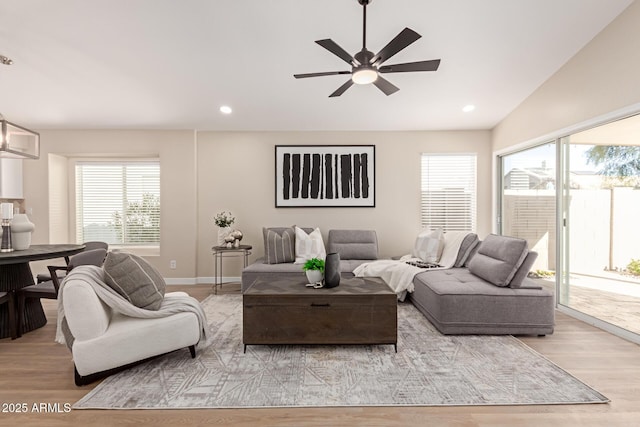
(313, 304)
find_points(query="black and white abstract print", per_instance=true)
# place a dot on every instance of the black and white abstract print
(325, 176)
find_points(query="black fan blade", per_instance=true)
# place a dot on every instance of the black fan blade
(411, 66)
(342, 89)
(328, 73)
(402, 40)
(385, 86)
(333, 47)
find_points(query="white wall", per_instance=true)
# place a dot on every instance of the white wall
(176, 150)
(236, 172)
(603, 77)
(58, 199)
(206, 173)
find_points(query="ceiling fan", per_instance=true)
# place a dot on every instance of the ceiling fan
(366, 66)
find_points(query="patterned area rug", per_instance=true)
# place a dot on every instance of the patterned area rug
(429, 370)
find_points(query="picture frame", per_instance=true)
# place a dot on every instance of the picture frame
(325, 176)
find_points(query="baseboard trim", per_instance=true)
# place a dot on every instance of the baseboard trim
(198, 280)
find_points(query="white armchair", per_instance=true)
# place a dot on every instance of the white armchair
(104, 341)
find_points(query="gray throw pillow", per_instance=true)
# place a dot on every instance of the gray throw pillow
(524, 269)
(498, 258)
(135, 279)
(466, 247)
(279, 245)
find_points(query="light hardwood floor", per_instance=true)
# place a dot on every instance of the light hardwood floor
(35, 370)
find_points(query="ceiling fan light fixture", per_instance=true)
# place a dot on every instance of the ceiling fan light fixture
(364, 76)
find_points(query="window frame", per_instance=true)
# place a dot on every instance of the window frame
(142, 249)
(472, 190)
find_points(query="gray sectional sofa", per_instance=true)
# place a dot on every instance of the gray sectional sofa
(490, 294)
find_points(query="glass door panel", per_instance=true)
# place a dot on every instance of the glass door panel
(528, 204)
(601, 198)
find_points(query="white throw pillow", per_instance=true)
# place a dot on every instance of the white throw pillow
(309, 245)
(429, 245)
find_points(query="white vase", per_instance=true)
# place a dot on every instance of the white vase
(21, 229)
(314, 276)
(222, 233)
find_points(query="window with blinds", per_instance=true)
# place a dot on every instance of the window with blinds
(449, 192)
(118, 202)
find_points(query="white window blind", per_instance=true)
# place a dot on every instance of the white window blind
(118, 202)
(449, 192)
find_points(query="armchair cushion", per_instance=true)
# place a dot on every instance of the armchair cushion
(135, 279)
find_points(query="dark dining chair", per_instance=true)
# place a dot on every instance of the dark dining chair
(6, 297)
(88, 246)
(49, 289)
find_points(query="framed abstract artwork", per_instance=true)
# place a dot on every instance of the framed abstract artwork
(325, 176)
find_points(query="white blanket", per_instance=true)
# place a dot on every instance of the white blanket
(399, 275)
(175, 302)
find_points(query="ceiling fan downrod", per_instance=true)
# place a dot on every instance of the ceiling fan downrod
(364, 4)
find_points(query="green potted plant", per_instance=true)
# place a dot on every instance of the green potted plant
(314, 269)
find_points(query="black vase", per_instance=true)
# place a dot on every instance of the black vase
(332, 270)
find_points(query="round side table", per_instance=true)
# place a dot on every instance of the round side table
(221, 252)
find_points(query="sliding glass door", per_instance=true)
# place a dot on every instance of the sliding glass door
(601, 201)
(576, 201)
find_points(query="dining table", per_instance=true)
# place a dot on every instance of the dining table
(15, 273)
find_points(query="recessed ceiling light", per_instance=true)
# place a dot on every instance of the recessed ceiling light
(225, 109)
(468, 108)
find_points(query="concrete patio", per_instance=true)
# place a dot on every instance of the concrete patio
(612, 298)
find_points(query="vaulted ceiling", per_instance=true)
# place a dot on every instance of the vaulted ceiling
(167, 64)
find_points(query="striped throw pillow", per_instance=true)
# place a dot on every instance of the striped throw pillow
(279, 245)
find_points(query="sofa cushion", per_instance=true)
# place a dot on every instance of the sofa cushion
(309, 245)
(524, 269)
(498, 258)
(353, 244)
(468, 244)
(135, 279)
(279, 244)
(429, 245)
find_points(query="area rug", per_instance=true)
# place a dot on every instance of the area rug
(429, 369)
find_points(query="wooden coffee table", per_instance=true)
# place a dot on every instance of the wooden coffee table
(284, 311)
